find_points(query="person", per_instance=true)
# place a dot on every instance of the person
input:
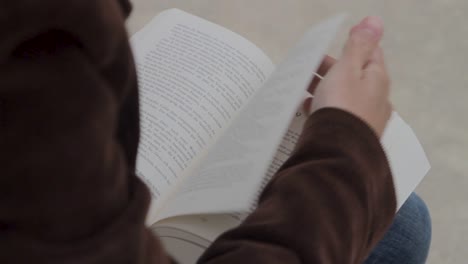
(69, 134)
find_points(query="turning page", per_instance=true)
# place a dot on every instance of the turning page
(407, 159)
(187, 237)
(194, 77)
(228, 179)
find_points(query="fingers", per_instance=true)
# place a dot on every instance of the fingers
(363, 39)
(387, 109)
(313, 85)
(326, 65)
(307, 106)
(377, 57)
(358, 82)
(375, 73)
(376, 64)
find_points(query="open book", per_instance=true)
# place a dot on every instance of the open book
(218, 120)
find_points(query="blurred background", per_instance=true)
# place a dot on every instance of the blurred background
(426, 47)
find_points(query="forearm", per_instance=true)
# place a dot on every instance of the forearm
(329, 203)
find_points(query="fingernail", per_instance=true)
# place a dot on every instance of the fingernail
(372, 25)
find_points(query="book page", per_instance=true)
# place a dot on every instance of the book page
(406, 156)
(187, 237)
(194, 77)
(407, 159)
(228, 179)
(285, 149)
(183, 246)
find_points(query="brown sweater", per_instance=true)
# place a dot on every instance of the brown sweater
(68, 137)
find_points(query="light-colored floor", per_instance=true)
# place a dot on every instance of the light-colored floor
(426, 45)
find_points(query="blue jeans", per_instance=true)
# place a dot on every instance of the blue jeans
(408, 239)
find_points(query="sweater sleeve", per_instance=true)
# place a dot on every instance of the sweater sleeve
(331, 202)
(69, 136)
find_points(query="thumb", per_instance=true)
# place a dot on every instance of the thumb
(363, 39)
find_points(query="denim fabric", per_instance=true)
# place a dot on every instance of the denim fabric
(408, 239)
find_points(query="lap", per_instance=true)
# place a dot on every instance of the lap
(408, 239)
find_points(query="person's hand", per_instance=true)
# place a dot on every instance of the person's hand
(358, 82)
